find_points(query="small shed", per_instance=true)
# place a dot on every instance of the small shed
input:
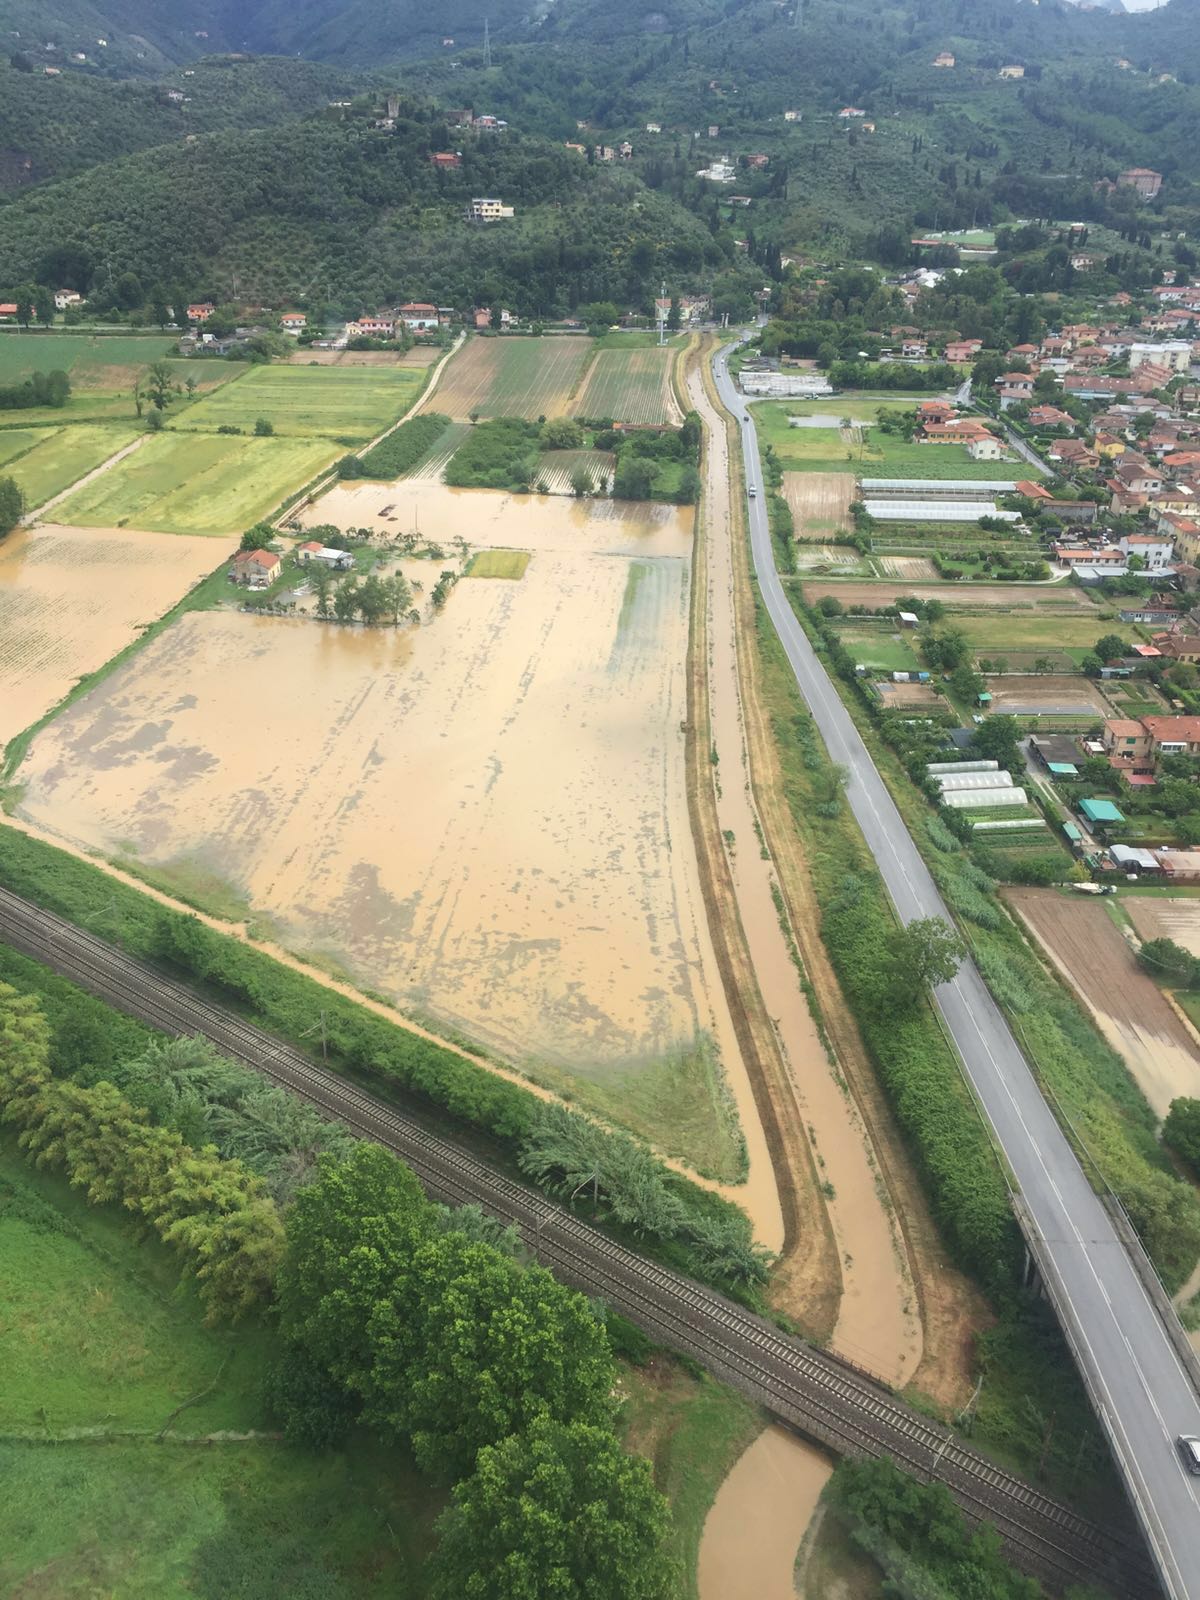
(1063, 769)
(1100, 811)
(1133, 859)
(909, 619)
(984, 698)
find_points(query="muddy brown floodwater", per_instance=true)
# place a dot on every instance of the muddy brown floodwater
(70, 598)
(484, 817)
(754, 1529)
(878, 1324)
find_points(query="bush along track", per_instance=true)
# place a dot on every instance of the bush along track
(628, 1188)
(1104, 1112)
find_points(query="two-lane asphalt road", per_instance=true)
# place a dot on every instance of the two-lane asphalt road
(1137, 1380)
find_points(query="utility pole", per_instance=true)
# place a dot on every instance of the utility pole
(487, 43)
(663, 307)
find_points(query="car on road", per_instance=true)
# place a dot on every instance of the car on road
(752, 490)
(1189, 1451)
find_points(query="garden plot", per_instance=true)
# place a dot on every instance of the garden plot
(1047, 695)
(512, 377)
(198, 483)
(347, 403)
(630, 386)
(1129, 1008)
(70, 599)
(910, 568)
(819, 502)
(1003, 596)
(1165, 918)
(485, 818)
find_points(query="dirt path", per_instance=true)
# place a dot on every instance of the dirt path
(760, 1515)
(1085, 946)
(877, 1321)
(127, 450)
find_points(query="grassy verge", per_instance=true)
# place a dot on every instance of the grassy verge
(393, 1062)
(693, 1430)
(1103, 1112)
(107, 1342)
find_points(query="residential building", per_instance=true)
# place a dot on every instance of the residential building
(985, 447)
(66, 297)
(486, 209)
(792, 116)
(654, 127)
(1157, 552)
(1073, 453)
(483, 317)
(1051, 417)
(1012, 72)
(958, 350)
(1143, 179)
(944, 58)
(1173, 354)
(293, 321)
(757, 161)
(255, 569)
(382, 326)
(200, 311)
(1179, 647)
(324, 556)
(1014, 386)
(914, 349)
(418, 317)
(851, 111)
(1126, 739)
(445, 160)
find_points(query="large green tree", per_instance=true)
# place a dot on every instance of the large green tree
(12, 505)
(559, 1512)
(470, 1347)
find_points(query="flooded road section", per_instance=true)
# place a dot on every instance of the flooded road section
(878, 1324)
(483, 817)
(70, 598)
(754, 1530)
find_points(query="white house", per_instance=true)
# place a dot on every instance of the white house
(66, 297)
(985, 448)
(486, 209)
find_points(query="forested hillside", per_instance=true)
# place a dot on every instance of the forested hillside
(53, 127)
(354, 216)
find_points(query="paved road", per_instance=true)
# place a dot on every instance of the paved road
(1137, 1380)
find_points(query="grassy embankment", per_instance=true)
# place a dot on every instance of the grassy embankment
(1030, 1387)
(109, 1346)
(395, 1063)
(128, 1347)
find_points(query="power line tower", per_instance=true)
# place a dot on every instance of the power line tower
(487, 43)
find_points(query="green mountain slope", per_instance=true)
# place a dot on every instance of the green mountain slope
(345, 213)
(53, 127)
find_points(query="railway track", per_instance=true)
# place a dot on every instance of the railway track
(806, 1388)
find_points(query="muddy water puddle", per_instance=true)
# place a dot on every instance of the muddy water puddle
(71, 598)
(484, 818)
(754, 1530)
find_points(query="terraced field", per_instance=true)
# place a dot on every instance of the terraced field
(347, 403)
(630, 386)
(514, 377)
(198, 483)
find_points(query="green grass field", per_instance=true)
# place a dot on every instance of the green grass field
(15, 441)
(859, 405)
(632, 385)
(352, 403)
(883, 456)
(99, 1336)
(198, 483)
(1006, 630)
(92, 361)
(877, 647)
(61, 456)
(498, 564)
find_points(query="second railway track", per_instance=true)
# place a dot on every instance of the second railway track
(806, 1388)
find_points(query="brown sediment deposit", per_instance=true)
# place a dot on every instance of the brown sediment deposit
(950, 1309)
(1088, 950)
(761, 1514)
(484, 817)
(71, 598)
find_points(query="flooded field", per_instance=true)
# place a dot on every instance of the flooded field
(72, 597)
(760, 1515)
(484, 818)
